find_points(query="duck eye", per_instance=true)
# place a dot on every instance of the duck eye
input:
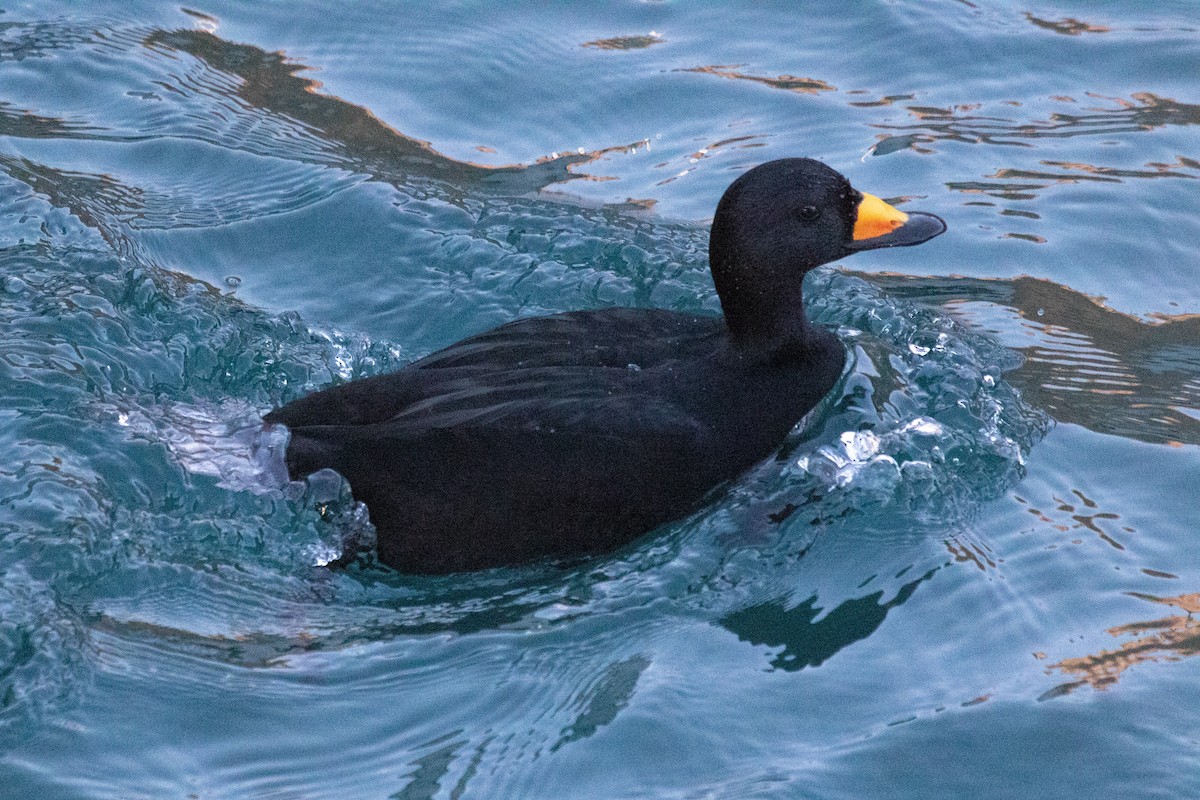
(809, 213)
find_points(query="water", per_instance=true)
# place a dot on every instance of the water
(970, 575)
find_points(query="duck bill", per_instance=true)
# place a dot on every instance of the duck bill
(882, 225)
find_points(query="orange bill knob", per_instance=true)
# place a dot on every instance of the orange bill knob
(876, 218)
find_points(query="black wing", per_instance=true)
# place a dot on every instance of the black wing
(620, 339)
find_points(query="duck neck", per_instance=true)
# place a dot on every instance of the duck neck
(772, 327)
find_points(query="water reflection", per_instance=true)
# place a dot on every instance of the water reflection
(1167, 639)
(807, 641)
(1143, 111)
(270, 82)
(23, 123)
(98, 201)
(24, 40)
(886, 100)
(245, 100)
(626, 42)
(1068, 26)
(1025, 184)
(746, 142)
(963, 122)
(1085, 363)
(243, 81)
(159, 605)
(425, 781)
(265, 649)
(1068, 516)
(599, 703)
(258, 650)
(789, 83)
(966, 551)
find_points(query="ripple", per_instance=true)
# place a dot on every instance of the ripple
(23, 123)
(1083, 362)
(43, 654)
(160, 588)
(269, 141)
(174, 560)
(1143, 111)
(268, 83)
(20, 41)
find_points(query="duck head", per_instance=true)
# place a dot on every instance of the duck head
(780, 220)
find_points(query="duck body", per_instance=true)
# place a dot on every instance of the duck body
(542, 438)
(573, 434)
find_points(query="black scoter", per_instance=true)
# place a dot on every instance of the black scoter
(573, 434)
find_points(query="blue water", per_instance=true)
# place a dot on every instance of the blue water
(973, 574)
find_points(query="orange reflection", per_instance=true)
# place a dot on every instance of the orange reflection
(1075, 515)
(965, 552)
(1068, 26)
(1167, 639)
(1143, 111)
(1157, 169)
(626, 42)
(788, 83)
(886, 100)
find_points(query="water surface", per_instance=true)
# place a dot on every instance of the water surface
(971, 575)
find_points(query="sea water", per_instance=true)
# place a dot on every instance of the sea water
(972, 573)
